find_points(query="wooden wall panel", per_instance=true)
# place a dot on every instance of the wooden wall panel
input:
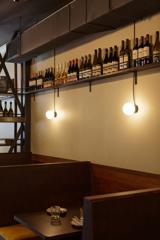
(110, 179)
(129, 215)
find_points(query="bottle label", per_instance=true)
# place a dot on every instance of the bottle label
(121, 62)
(48, 84)
(88, 73)
(39, 82)
(146, 51)
(84, 74)
(135, 54)
(114, 66)
(126, 60)
(105, 68)
(156, 56)
(72, 77)
(32, 83)
(96, 70)
(140, 53)
(81, 74)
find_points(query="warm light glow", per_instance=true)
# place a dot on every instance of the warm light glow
(50, 114)
(129, 109)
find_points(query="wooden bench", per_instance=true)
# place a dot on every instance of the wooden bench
(35, 187)
(17, 232)
(123, 216)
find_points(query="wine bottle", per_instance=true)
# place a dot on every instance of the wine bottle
(64, 73)
(141, 52)
(32, 82)
(46, 75)
(115, 60)
(51, 77)
(81, 69)
(73, 71)
(135, 53)
(121, 56)
(69, 74)
(147, 50)
(45, 79)
(110, 60)
(156, 49)
(10, 112)
(60, 74)
(39, 80)
(127, 55)
(94, 68)
(89, 66)
(99, 62)
(77, 69)
(1, 109)
(5, 111)
(85, 67)
(105, 62)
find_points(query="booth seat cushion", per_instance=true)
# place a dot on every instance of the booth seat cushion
(16, 232)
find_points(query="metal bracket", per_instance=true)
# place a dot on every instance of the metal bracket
(58, 92)
(90, 86)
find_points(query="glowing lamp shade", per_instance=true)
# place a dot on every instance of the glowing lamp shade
(129, 109)
(50, 114)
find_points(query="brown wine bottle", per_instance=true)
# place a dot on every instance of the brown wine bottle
(81, 69)
(10, 112)
(5, 111)
(89, 66)
(95, 62)
(115, 60)
(147, 50)
(100, 62)
(141, 52)
(127, 55)
(105, 62)
(121, 56)
(156, 49)
(135, 54)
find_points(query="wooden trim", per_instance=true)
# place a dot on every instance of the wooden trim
(107, 179)
(48, 159)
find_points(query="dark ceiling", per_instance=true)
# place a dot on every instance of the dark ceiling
(15, 16)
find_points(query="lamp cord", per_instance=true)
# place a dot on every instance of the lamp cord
(134, 83)
(54, 101)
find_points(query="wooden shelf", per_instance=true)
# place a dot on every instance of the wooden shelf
(8, 145)
(99, 78)
(8, 95)
(12, 119)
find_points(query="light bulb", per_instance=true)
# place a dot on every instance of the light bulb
(129, 108)
(50, 114)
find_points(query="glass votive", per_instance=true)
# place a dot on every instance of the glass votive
(55, 215)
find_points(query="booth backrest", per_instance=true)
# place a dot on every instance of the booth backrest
(36, 187)
(15, 158)
(123, 216)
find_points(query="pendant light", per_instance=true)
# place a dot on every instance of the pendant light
(51, 114)
(131, 108)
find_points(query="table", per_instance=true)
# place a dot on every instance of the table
(39, 222)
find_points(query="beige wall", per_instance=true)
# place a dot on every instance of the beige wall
(91, 126)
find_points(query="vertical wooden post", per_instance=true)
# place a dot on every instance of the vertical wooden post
(26, 76)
